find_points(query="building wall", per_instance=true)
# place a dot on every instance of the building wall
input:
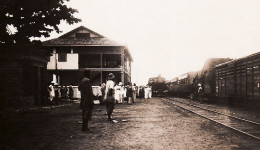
(71, 63)
(99, 60)
(11, 75)
(22, 79)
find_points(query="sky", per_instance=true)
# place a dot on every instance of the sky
(172, 37)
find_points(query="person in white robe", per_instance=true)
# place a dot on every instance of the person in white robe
(146, 92)
(118, 93)
(149, 92)
(51, 91)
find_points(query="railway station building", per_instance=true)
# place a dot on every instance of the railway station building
(83, 49)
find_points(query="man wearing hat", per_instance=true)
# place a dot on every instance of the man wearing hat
(109, 97)
(86, 103)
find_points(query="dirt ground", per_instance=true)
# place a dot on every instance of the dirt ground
(150, 124)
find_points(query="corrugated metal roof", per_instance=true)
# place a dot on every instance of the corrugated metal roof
(98, 40)
(70, 39)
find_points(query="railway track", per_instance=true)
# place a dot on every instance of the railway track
(244, 126)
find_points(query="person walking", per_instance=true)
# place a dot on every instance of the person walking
(86, 103)
(109, 97)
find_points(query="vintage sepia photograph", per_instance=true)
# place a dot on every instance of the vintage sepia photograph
(129, 75)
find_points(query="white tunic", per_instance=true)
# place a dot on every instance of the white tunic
(51, 92)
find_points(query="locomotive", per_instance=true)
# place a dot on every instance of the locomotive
(159, 87)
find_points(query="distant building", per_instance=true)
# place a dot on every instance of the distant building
(83, 49)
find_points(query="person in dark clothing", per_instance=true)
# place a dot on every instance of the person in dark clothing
(141, 95)
(62, 91)
(71, 92)
(103, 89)
(56, 89)
(86, 103)
(129, 93)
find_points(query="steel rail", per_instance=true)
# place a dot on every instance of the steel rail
(256, 123)
(240, 131)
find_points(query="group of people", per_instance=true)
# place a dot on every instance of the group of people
(55, 93)
(121, 93)
(111, 94)
(87, 97)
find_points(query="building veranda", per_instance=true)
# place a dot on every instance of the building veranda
(83, 49)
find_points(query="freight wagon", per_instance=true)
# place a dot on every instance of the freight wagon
(239, 79)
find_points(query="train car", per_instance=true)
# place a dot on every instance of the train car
(173, 87)
(184, 82)
(207, 76)
(187, 84)
(239, 79)
(181, 86)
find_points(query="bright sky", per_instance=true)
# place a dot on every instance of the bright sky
(172, 37)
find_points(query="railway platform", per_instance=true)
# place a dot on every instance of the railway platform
(146, 124)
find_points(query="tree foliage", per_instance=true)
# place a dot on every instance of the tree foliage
(32, 18)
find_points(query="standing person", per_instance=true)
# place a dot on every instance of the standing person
(121, 95)
(110, 96)
(117, 93)
(150, 92)
(56, 89)
(125, 93)
(134, 92)
(71, 92)
(146, 92)
(200, 93)
(103, 89)
(141, 92)
(51, 92)
(66, 91)
(86, 103)
(62, 91)
(129, 93)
